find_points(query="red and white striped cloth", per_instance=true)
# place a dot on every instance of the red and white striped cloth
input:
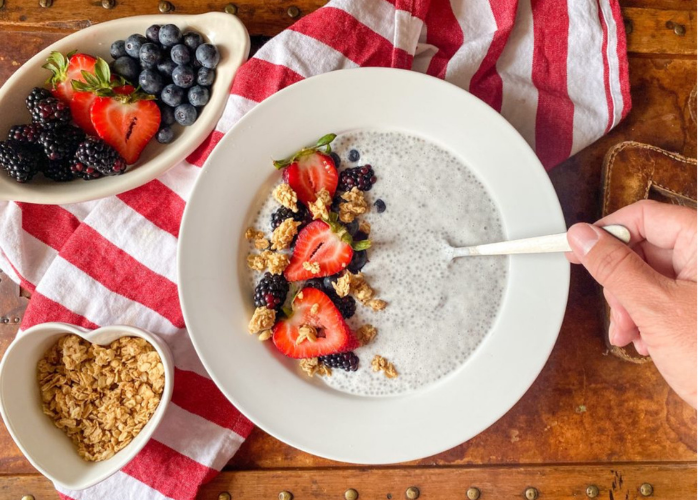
(556, 70)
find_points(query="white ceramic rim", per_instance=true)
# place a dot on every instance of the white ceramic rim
(233, 42)
(361, 429)
(112, 332)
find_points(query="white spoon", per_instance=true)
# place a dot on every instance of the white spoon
(538, 244)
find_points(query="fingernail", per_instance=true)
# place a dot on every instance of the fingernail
(582, 238)
(612, 333)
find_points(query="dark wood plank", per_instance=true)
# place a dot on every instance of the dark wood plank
(615, 482)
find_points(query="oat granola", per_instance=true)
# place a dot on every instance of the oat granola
(381, 364)
(354, 205)
(311, 367)
(307, 332)
(101, 397)
(312, 267)
(265, 335)
(263, 319)
(365, 334)
(283, 235)
(286, 197)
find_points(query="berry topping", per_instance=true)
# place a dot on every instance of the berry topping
(65, 69)
(98, 155)
(37, 94)
(347, 361)
(128, 68)
(25, 134)
(61, 143)
(51, 112)
(169, 35)
(381, 206)
(322, 249)
(283, 213)
(360, 177)
(271, 291)
(59, 170)
(117, 49)
(132, 45)
(85, 172)
(207, 55)
(165, 135)
(313, 308)
(354, 155)
(152, 33)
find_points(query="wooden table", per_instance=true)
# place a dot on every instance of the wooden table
(590, 419)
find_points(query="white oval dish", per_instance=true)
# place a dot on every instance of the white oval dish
(223, 30)
(217, 299)
(46, 446)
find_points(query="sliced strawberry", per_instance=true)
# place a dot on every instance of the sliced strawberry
(81, 104)
(65, 69)
(333, 334)
(309, 174)
(125, 123)
(318, 244)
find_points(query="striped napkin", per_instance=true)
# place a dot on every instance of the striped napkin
(556, 70)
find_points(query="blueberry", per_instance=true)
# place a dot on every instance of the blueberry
(207, 55)
(328, 283)
(172, 95)
(360, 235)
(166, 67)
(354, 155)
(198, 96)
(381, 206)
(169, 35)
(185, 114)
(152, 33)
(183, 76)
(150, 54)
(353, 227)
(359, 259)
(151, 81)
(336, 159)
(165, 135)
(180, 54)
(128, 68)
(193, 40)
(117, 49)
(148, 65)
(167, 114)
(133, 45)
(205, 76)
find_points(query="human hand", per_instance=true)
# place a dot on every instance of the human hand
(650, 285)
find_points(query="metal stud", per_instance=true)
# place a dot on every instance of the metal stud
(45, 3)
(646, 490)
(293, 11)
(224, 495)
(412, 493)
(16, 320)
(351, 494)
(5, 320)
(28, 497)
(164, 6)
(531, 493)
(592, 491)
(285, 495)
(679, 29)
(231, 9)
(108, 4)
(473, 493)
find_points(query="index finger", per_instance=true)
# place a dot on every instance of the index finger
(660, 224)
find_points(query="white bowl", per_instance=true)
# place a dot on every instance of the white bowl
(46, 446)
(223, 30)
(216, 296)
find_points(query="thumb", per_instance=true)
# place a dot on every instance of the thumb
(617, 267)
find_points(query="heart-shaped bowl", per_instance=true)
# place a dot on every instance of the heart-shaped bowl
(46, 446)
(223, 30)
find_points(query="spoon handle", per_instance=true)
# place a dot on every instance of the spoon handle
(539, 244)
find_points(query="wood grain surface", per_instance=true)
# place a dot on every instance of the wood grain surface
(590, 418)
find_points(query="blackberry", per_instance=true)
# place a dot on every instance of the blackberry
(19, 161)
(83, 171)
(271, 291)
(25, 134)
(97, 154)
(348, 361)
(37, 94)
(61, 143)
(283, 213)
(346, 305)
(59, 170)
(51, 113)
(360, 177)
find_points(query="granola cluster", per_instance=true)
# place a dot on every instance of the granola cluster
(357, 286)
(311, 366)
(354, 205)
(286, 197)
(283, 235)
(319, 208)
(263, 319)
(381, 364)
(274, 262)
(101, 397)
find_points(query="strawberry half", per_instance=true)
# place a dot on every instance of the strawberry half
(309, 171)
(65, 69)
(327, 244)
(333, 334)
(126, 122)
(81, 104)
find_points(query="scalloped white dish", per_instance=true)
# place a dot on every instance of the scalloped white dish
(46, 446)
(223, 30)
(216, 294)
